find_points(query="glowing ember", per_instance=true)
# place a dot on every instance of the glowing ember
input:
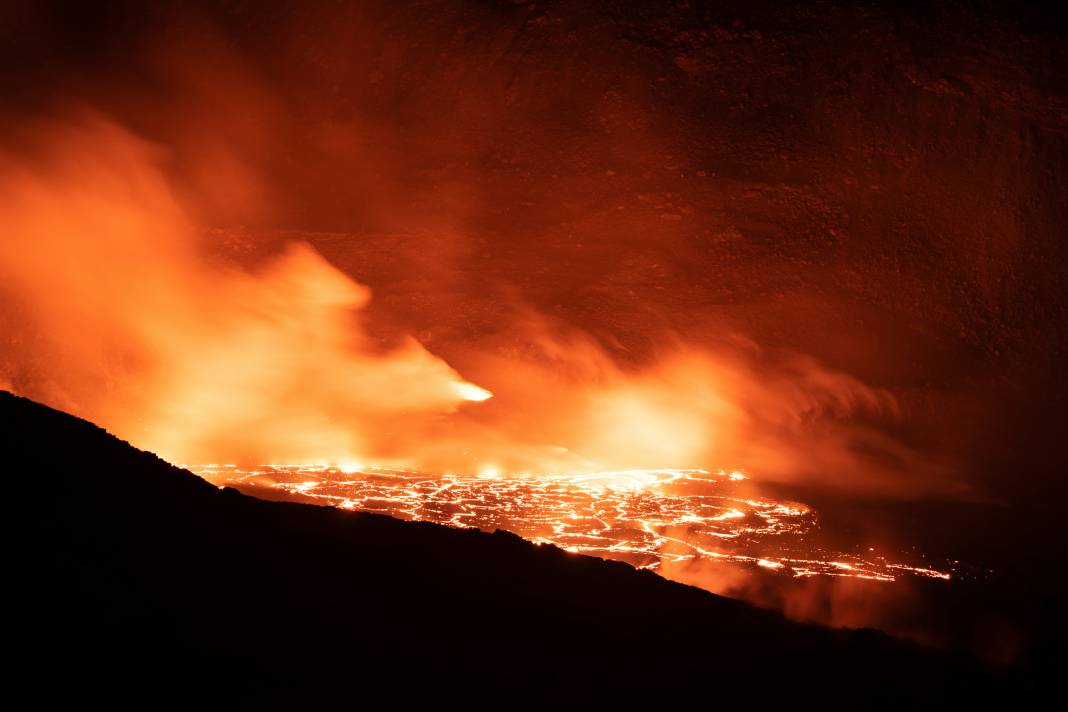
(644, 517)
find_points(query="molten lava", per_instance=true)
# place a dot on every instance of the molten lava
(647, 518)
(127, 316)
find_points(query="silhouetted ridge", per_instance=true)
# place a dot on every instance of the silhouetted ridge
(148, 582)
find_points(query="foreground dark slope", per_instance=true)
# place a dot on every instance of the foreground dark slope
(156, 583)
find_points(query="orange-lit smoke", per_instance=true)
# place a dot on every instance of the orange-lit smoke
(115, 313)
(844, 602)
(564, 404)
(118, 313)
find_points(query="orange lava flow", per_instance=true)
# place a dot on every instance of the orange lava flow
(647, 518)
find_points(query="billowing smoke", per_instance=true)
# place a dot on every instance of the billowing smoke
(123, 302)
(563, 403)
(114, 312)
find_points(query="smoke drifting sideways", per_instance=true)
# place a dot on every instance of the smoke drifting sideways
(115, 311)
(564, 403)
(116, 315)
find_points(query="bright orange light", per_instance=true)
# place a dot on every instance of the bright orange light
(202, 360)
(661, 520)
(471, 392)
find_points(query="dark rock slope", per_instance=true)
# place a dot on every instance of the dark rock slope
(146, 582)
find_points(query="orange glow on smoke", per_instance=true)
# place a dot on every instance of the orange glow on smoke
(127, 317)
(194, 360)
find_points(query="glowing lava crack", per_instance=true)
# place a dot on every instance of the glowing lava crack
(644, 517)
